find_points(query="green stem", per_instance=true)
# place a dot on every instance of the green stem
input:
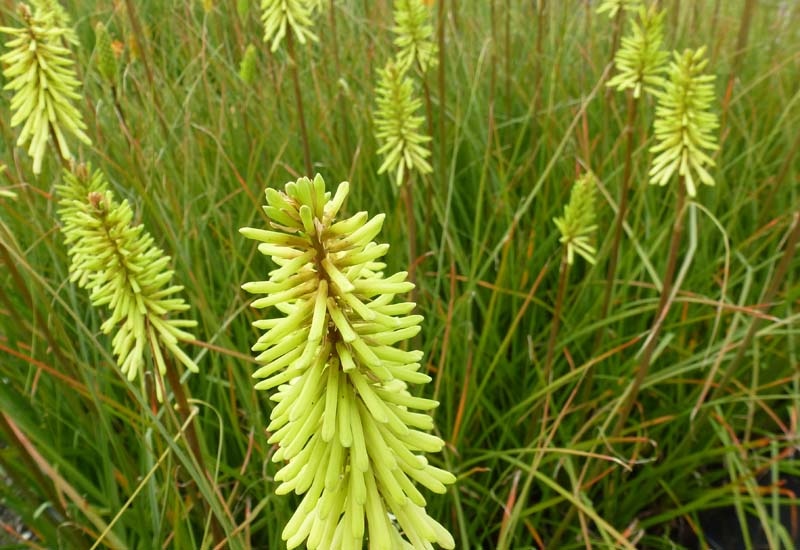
(563, 276)
(661, 314)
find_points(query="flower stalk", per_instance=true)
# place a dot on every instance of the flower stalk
(684, 130)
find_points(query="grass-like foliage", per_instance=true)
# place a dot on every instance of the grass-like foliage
(398, 127)
(345, 421)
(641, 60)
(645, 395)
(685, 124)
(119, 264)
(39, 70)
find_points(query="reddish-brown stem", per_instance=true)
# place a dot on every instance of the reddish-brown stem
(661, 313)
(623, 206)
(309, 167)
(140, 40)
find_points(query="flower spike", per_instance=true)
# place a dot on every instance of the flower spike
(577, 225)
(106, 61)
(684, 125)
(346, 425)
(39, 70)
(282, 16)
(414, 38)
(123, 269)
(640, 61)
(398, 127)
(247, 67)
(612, 7)
(54, 13)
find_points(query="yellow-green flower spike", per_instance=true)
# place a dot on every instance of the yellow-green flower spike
(54, 14)
(577, 225)
(612, 7)
(640, 61)
(104, 52)
(414, 35)
(349, 437)
(282, 16)
(39, 70)
(398, 127)
(123, 269)
(247, 68)
(684, 125)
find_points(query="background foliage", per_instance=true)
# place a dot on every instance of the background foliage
(517, 107)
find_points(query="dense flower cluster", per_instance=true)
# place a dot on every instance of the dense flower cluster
(345, 422)
(684, 125)
(39, 69)
(640, 61)
(613, 7)
(414, 35)
(577, 225)
(123, 269)
(104, 52)
(398, 127)
(282, 16)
